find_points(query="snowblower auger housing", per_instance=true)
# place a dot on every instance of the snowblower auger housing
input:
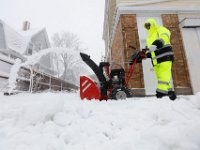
(112, 83)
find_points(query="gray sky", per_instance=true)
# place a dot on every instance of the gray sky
(82, 17)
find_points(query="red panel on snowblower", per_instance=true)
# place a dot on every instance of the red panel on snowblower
(88, 89)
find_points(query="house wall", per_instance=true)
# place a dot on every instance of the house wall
(185, 68)
(5, 67)
(39, 42)
(127, 34)
(2, 37)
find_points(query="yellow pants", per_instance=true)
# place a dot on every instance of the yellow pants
(163, 75)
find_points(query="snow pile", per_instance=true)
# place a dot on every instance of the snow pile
(61, 121)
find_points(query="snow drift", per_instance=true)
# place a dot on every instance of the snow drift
(61, 121)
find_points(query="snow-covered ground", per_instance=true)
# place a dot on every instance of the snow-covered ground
(61, 121)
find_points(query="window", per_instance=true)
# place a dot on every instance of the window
(39, 46)
(30, 49)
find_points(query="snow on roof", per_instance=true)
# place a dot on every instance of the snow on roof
(19, 40)
(14, 40)
(31, 32)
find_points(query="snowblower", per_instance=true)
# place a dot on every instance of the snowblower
(112, 83)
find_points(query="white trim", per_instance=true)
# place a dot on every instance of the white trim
(105, 17)
(190, 23)
(161, 10)
(143, 3)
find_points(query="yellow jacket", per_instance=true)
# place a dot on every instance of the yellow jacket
(159, 32)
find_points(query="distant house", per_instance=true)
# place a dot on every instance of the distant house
(24, 42)
(29, 45)
(123, 27)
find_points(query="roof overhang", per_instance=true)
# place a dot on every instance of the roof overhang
(121, 9)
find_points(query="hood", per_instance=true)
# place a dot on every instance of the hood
(154, 25)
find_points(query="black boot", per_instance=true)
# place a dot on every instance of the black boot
(172, 95)
(160, 95)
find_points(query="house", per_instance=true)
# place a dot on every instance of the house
(123, 27)
(25, 42)
(29, 45)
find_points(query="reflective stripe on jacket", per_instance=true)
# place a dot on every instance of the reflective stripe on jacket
(163, 54)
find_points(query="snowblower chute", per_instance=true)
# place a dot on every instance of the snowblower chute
(88, 89)
(112, 83)
(102, 80)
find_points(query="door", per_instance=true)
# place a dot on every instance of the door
(191, 38)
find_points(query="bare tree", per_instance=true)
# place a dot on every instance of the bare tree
(66, 40)
(71, 63)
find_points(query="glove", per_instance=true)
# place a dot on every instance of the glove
(140, 55)
(152, 48)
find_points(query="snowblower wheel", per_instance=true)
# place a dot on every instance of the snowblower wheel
(119, 95)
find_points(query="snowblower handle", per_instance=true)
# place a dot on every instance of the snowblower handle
(145, 49)
(139, 56)
(131, 72)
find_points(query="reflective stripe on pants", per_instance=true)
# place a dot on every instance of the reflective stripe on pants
(163, 75)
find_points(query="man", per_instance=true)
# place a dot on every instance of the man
(161, 54)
